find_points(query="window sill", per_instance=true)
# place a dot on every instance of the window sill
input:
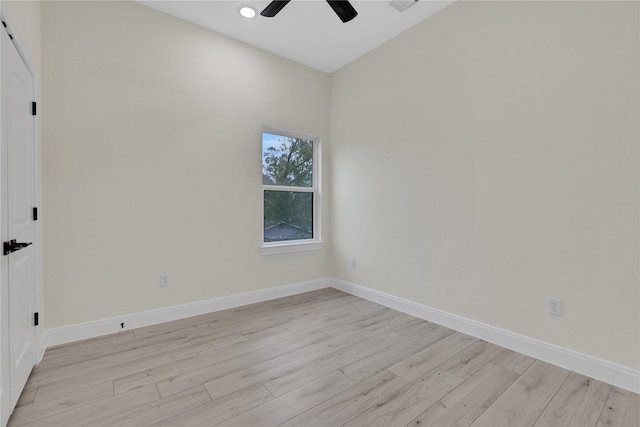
(285, 248)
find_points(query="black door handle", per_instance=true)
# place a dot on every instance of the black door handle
(12, 246)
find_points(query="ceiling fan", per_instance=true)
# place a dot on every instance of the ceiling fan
(342, 8)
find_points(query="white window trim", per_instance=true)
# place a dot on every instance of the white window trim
(290, 246)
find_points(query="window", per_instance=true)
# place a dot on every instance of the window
(290, 192)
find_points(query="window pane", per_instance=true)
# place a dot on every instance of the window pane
(288, 215)
(287, 161)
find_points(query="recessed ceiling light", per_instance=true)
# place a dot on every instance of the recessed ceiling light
(247, 12)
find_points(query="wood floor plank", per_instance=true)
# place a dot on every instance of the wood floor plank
(268, 346)
(179, 325)
(324, 303)
(467, 410)
(632, 414)
(158, 410)
(154, 359)
(414, 326)
(341, 316)
(94, 412)
(579, 401)
(472, 358)
(35, 411)
(615, 407)
(92, 344)
(285, 407)
(191, 378)
(216, 336)
(69, 353)
(514, 361)
(431, 416)
(322, 366)
(51, 390)
(392, 322)
(271, 368)
(235, 317)
(367, 319)
(407, 403)
(41, 377)
(351, 402)
(271, 320)
(219, 410)
(378, 362)
(432, 356)
(218, 342)
(27, 397)
(524, 401)
(301, 314)
(161, 333)
(260, 309)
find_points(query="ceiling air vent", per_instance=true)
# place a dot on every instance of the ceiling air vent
(402, 5)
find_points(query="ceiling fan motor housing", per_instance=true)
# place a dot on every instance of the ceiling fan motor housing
(342, 8)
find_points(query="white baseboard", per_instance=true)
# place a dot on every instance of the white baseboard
(77, 332)
(590, 366)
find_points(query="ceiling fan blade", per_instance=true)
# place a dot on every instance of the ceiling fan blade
(343, 9)
(273, 8)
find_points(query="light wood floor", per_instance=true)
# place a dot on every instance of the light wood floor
(323, 358)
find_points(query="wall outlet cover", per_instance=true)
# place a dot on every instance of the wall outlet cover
(554, 306)
(164, 280)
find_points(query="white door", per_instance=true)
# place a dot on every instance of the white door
(17, 178)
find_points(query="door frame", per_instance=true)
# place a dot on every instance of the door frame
(5, 408)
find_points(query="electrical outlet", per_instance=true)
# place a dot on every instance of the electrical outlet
(164, 280)
(554, 306)
(352, 263)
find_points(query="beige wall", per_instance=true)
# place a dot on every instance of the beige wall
(151, 152)
(488, 158)
(26, 17)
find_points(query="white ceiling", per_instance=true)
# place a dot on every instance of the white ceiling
(305, 31)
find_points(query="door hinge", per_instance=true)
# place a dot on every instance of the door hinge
(35, 214)
(33, 108)
(36, 319)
